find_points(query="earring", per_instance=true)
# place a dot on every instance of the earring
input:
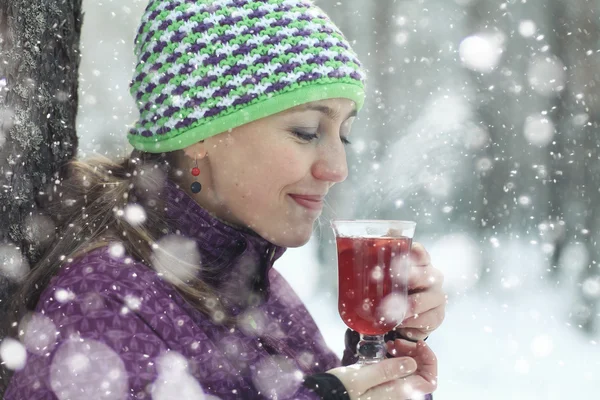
(196, 186)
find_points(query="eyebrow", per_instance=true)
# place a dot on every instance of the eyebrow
(328, 111)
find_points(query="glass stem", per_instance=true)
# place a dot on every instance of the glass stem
(371, 349)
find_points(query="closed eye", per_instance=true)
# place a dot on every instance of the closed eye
(305, 136)
(311, 136)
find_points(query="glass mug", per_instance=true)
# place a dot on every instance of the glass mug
(373, 266)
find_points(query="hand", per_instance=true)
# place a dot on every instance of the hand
(399, 378)
(426, 364)
(426, 298)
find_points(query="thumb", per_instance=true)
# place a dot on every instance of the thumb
(359, 379)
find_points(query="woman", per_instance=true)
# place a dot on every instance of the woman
(160, 283)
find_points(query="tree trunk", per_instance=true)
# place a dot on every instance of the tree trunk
(578, 33)
(39, 60)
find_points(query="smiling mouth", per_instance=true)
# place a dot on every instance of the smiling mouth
(308, 202)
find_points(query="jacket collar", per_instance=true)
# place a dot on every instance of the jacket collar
(239, 259)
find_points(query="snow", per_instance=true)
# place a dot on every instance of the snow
(135, 214)
(393, 308)
(527, 28)
(516, 344)
(12, 263)
(481, 52)
(80, 367)
(591, 287)
(546, 75)
(176, 258)
(39, 334)
(277, 377)
(63, 295)
(174, 378)
(13, 354)
(116, 250)
(539, 130)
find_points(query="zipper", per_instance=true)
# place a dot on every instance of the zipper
(272, 254)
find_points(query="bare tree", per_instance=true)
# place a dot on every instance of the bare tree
(39, 61)
(578, 32)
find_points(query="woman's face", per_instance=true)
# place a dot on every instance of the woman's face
(254, 175)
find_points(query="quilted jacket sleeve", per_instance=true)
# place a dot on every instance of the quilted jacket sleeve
(85, 342)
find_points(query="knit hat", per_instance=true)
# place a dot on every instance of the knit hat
(207, 66)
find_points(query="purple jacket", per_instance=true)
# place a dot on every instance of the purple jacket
(109, 327)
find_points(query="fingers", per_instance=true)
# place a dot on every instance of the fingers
(427, 361)
(420, 352)
(360, 379)
(422, 302)
(411, 387)
(419, 256)
(425, 322)
(401, 348)
(419, 303)
(422, 277)
(385, 371)
(424, 380)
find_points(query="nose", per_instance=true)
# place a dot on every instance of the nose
(331, 165)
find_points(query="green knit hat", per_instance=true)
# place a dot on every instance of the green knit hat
(205, 67)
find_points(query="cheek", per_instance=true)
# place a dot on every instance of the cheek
(286, 165)
(255, 172)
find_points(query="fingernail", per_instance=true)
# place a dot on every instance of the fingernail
(407, 366)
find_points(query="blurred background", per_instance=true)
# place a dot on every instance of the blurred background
(481, 125)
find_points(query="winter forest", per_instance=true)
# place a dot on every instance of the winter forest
(481, 124)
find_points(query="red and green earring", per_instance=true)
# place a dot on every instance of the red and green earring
(196, 186)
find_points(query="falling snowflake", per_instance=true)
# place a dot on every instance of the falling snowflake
(133, 302)
(116, 250)
(39, 334)
(591, 287)
(377, 274)
(539, 130)
(63, 295)
(481, 52)
(546, 75)
(84, 369)
(176, 258)
(12, 264)
(484, 164)
(13, 354)
(527, 28)
(277, 377)
(135, 214)
(393, 307)
(253, 322)
(174, 379)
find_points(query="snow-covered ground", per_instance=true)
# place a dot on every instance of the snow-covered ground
(515, 346)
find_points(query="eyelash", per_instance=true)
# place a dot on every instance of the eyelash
(309, 137)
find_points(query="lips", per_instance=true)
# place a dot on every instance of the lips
(312, 202)
(308, 197)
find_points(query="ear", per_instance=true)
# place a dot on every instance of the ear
(196, 151)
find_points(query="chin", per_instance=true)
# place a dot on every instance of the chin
(293, 238)
(296, 242)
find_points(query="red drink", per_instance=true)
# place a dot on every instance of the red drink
(372, 287)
